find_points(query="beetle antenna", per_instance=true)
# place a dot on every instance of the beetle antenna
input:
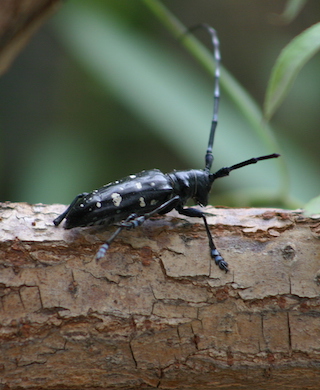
(216, 94)
(226, 170)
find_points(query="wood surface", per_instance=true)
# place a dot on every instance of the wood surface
(156, 311)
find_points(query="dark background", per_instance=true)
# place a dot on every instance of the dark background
(66, 129)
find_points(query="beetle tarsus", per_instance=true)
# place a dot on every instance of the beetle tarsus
(219, 260)
(102, 251)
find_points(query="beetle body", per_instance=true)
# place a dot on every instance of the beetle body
(137, 194)
(114, 202)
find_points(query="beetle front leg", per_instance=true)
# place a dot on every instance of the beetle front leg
(215, 254)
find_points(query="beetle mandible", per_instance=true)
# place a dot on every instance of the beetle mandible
(132, 200)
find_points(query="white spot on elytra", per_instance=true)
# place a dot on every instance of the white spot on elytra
(98, 204)
(132, 176)
(139, 186)
(81, 205)
(152, 184)
(116, 199)
(142, 202)
(153, 202)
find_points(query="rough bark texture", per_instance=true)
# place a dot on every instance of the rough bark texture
(156, 312)
(19, 20)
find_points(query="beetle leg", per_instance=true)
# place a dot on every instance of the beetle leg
(133, 221)
(103, 248)
(138, 221)
(215, 254)
(59, 219)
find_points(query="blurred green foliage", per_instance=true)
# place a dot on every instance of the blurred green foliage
(104, 90)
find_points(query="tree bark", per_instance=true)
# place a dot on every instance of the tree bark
(19, 20)
(156, 311)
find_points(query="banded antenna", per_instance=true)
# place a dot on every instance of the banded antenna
(216, 93)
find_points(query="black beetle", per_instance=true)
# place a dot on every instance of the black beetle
(130, 201)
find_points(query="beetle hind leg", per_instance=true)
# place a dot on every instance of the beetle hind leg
(62, 216)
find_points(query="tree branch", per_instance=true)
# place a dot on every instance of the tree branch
(156, 311)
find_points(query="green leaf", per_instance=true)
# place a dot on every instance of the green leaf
(291, 11)
(291, 60)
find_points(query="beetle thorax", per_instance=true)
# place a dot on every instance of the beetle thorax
(193, 184)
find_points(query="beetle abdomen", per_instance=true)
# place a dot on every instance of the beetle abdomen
(114, 202)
